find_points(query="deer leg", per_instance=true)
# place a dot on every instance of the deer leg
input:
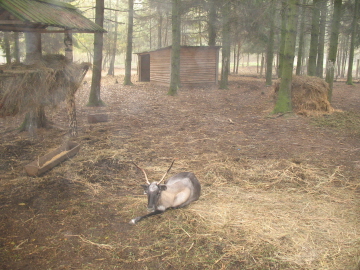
(137, 219)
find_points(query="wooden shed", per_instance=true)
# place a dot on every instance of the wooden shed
(198, 65)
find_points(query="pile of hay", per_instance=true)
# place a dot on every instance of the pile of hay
(309, 95)
(47, 82)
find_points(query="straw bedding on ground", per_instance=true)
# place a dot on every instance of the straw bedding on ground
(277, 192)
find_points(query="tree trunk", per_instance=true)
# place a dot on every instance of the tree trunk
(165, 39)
(94, 98)
(270, 46)
(111, 70)
(262, 66)
(234, 58)
(352, 43)
(7, 47)
(282, 36)
(175, 49)
(16, 47)
(225, 65)
(212, 23)
(301, 39)
(35, 118)
(314, 38)
(283, 103)
(29, 124)
(200, 27)
(238, 58)
(128, 58)
(333, 45)
(321, 46)
(345, 48)
(160, 23)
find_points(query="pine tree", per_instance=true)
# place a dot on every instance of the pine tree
(128, 58)
(175, 50)
(352, 42)
(94, 98)
(334, 35)
(283, 103)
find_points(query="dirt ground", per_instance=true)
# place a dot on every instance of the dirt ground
(278, 192)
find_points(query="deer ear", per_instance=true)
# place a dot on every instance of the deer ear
(145, 187)
(163, 187)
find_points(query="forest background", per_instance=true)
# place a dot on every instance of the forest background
(255, 38)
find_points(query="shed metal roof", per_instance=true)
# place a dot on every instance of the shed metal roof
(43, 16)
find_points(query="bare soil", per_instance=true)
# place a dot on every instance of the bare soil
(278, 191)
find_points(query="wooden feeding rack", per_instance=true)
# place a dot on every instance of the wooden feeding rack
(51, 80)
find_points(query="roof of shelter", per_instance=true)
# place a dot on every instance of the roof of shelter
(44, 16)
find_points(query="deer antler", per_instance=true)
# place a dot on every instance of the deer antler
(166, 172)
(147, 180)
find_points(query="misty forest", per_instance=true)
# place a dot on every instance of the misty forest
(257, 99)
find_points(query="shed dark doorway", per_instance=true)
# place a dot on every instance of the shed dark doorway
(144, 71)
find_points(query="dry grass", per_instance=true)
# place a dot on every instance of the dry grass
(292, 207)
(309, 95)
(46, 83)
(252, 214)
(255, 212)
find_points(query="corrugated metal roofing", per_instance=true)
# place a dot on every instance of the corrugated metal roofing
(44, 13)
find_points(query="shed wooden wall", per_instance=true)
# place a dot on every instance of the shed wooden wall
(160, 66)
(198, 65)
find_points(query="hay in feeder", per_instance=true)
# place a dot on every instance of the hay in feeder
(47, 82)
(309, 95)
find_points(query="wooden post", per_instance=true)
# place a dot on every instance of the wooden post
(33, 47)
(68, 46)
(357, 69)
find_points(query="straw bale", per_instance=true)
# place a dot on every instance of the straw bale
(47, 82)
(309, 95)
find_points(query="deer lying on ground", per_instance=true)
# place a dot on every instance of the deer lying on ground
(178, 191)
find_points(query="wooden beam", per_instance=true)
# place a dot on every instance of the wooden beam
(4, 28)
(11, 22)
